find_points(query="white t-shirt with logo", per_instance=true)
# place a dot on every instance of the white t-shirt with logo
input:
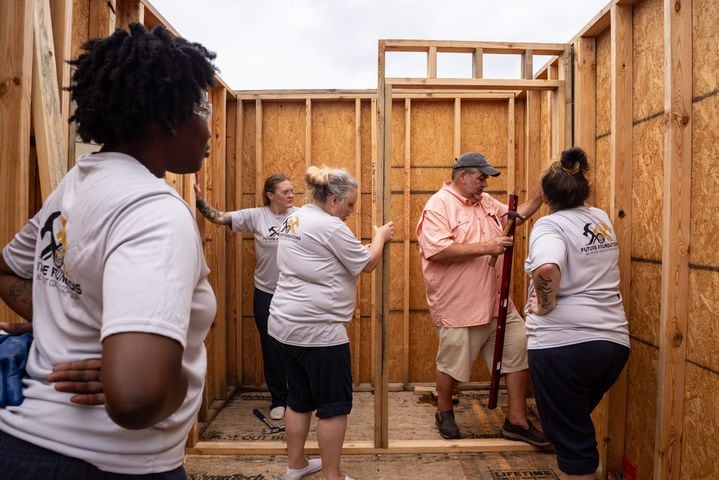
(265, 226)
(582, 242)
(113, 249)
(319, 261)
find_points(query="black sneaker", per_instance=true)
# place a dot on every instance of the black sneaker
(529, 435)
(446, 424)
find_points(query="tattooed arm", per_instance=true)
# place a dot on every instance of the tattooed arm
(209, 212)
(17, 294)
(546, 284)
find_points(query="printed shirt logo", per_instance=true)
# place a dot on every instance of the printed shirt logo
(599, 238)
(50, 266)
(289, 228)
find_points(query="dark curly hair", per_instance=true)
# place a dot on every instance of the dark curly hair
(565, 183)
(129, 79)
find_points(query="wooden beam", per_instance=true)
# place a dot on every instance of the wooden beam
(357, 322)
(231, 277)
(259, 186)
(236, 189)
(432, 62)
(561, 109)
(478, 63)
(476, 83)
(62, 19)
(364, 447)
(620, 211)
(16, 45)
(102, 18)
(676, 237)
(130, 11)
(457, 129)
(308, 133)
(532, 153)
(527, 66)
(407, 191)
(47, 119)
(451, 46)
(511, 159)
(585, 104)
(350, 95)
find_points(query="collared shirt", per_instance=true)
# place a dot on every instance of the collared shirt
(465, 293)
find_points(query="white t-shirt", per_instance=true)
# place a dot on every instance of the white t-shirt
(319, 260)
(582, 242)
(113, 249)
(265, 226)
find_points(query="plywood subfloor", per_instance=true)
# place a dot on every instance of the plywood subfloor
(411, 417)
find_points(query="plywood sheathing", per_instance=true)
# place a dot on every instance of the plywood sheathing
(602, 144)
(701, 423)
(642, 407)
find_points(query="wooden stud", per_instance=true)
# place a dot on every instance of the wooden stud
(236, 188)
(532, 154)
(308, 133)
(62, 38)
(477, 63)
(621, 203)
(47, 118)
(432, 62)
(102, 18)
(457, 132)
(676, 237)
(130, 11)
(259, 185)
(407, 236)
(357, 323)
(16, 43)
(375, 220)
(527, 68)
(511, 159)
(232, 166)
(585, 104)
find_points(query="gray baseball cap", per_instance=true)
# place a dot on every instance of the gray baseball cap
(475, 160)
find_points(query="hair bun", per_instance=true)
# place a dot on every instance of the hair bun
(574, 160)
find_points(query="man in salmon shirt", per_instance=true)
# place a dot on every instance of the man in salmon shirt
(458, 232)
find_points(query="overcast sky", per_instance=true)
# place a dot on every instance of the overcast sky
(323, 44)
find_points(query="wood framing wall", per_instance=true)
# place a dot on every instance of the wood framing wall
(642, 98)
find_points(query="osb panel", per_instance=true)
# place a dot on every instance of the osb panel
(283, 140)
(603, 170)
(249, 155)
(395, 350)
(432, 133)
(248, 274)
(700, 448)
(706, 46)
(251, 352)
(396, 281)
(642, 306)
(333, 134)
(422, 179)
(417, 291)
(484, 129)
(364, 303)
(604, 98)
(398, 132)
(419, 200)
(704, 203)
(397, 216)
(366, 217)
(703, 328)
(422, 347)
(366, 146)
(642, 391)
(365, 356)
(647, 185)
(648, 41)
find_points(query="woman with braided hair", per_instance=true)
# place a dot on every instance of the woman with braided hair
(577, 335)
(117, 271)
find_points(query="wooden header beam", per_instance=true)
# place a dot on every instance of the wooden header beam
(477, 83)
(451, 46)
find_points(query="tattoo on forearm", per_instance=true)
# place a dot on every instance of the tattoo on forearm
(210, 213)
(544, 289)
(20, 295)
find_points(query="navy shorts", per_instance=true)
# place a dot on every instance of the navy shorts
(21, 460)
(319, 378)
(568, 384)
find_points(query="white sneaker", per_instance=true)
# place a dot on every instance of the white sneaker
(313, 465)
(277, 413)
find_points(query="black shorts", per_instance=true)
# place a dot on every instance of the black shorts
(319, 378)
(568, 384)
(21, 460)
